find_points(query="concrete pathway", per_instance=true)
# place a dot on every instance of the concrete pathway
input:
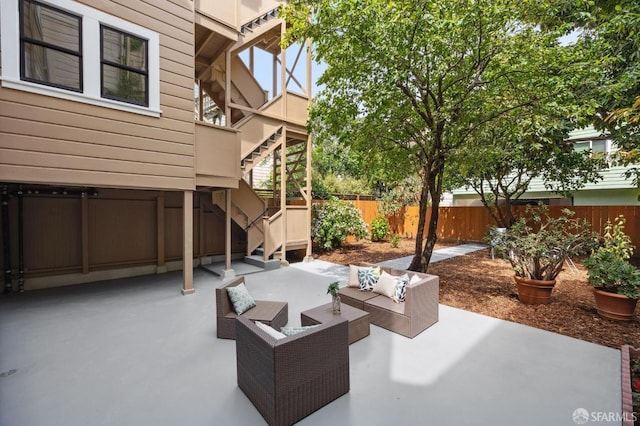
(135, 352)
(437, 255)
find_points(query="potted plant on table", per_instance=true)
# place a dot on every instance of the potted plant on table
(333, 291)
(616, 282)
(538, 245)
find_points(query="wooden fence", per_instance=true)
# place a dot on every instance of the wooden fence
(473, 223)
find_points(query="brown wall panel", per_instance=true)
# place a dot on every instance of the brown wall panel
(52, 233)
(122, 232)
(173, 233)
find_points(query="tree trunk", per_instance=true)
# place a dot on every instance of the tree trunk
(432, 186)
(422, 216)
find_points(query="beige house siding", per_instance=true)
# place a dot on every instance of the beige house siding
(94, 188)
(49, 140)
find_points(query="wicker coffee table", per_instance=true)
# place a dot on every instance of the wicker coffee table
(358, 319)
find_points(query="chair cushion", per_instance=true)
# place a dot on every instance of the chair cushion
(270, 331)
(290, 331)
(240, 298)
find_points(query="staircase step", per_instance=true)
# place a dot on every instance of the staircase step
(259, 261)
(239, 267)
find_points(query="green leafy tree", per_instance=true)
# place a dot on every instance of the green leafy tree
(409, 82)
(517, 149)
(608, 32)
(629, 151)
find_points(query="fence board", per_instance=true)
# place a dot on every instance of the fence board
(473, 223)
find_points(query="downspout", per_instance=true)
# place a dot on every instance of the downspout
(6, 240)
(20, 240)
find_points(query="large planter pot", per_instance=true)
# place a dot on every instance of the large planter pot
(614, 306)
(534, 292)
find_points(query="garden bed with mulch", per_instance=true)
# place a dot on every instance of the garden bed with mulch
(477, 283)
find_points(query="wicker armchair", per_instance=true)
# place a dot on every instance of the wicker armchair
(275, 314)
(287, 379)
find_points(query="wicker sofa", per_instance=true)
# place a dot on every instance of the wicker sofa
(275, 314)
(409, 318)
(287, 379)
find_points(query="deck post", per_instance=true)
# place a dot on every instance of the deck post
(187, 249)
(228, 272)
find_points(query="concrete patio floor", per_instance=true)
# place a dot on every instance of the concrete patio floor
(135, 352)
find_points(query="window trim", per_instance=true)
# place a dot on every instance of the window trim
(91, 20)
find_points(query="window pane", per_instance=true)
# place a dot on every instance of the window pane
(121, 84)
(582, 146)
(124, 49)
(51, 66)
(51, 26)
(599, 146)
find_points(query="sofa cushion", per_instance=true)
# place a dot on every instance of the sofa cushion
(384, 302)
(400, 289)
(354, 297)
(353, 274)
(240, 298)
(368, 278)
(386, 284)
(270, 331)
(415, 279)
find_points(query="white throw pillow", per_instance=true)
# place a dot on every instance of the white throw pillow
(386, 284)
(353, 276)
(270, 331)
(414, 279)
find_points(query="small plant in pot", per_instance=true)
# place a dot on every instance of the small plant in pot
(538, 245)
(333, 289)
(616, 282)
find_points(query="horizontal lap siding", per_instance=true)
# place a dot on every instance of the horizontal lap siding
(49, 140)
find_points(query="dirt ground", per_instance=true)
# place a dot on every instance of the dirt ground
(477, 283)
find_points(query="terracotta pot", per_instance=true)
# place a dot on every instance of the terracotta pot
(534, 292)
(614, 306)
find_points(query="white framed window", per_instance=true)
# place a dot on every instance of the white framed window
(602, 146)
(67, 50)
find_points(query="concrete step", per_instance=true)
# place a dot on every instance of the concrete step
(258, 260)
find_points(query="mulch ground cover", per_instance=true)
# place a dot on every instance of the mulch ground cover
(475, 282)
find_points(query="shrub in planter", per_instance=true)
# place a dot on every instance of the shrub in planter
(379, 228)
(334, 220)
(616, 282)
(537, 246)
(612, 274)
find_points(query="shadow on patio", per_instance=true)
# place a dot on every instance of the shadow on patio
(135, 352)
